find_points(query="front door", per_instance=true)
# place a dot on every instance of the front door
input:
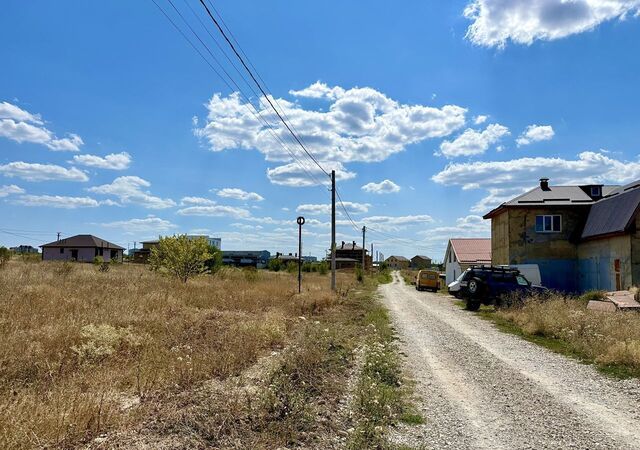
(74, 254)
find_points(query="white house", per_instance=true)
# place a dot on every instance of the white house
(464, 252)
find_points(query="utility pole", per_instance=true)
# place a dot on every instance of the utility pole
(300, 222)
(333, 230)
(59, 235)
(364, 267)
(371, 255)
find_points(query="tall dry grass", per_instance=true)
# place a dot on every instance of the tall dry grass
(81, 347)
(607, 338)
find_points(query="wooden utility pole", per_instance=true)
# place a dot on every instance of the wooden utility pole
(333, 230)
(364, 267)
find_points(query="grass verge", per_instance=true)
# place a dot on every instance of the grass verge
(608, 340)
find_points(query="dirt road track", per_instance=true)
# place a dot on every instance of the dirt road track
(484, 389)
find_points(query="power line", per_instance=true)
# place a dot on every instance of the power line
(244, 64)
(249, 105)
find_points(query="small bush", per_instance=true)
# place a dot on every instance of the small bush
(98, 261)
(359, 272)
(323, 268)
(5, 256)
(101, 341)
(274, 264)
(593, 295)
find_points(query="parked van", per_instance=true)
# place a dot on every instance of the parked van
(428, 279)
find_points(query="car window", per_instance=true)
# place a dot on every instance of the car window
(522, 281)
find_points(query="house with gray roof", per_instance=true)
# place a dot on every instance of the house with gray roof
(81, 248)
(581, 237)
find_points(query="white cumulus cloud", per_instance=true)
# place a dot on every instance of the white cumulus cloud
(535, 133)
(22, 126)
(473, 142)
(239, 194)
(295, 176)
(148, 224)
(57, 201)
(316, 209)
(190, 201)
(496, 22)
(505, 179)
(384, 187)
(113, 161)
(215, 211)
(130, 190)
(42, 172)
(359, 125)
(10, 189)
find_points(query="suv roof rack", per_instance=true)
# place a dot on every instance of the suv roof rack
(494, 268)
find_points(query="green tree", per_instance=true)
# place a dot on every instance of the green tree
(274, 264)
(214, 263)
(180, 256)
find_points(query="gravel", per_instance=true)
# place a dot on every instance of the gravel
(481, 388)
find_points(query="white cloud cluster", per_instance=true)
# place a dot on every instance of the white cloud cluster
(239, 194)
(22, 126)
(113, 161)
(57, 201)
(360, 124)
(495, 22)
(535, 133)
(215, 211)
(129, 190)
(190, 201)
(42, 172)
(317, 209)
(294, 175)
(384, 187)
(10, 189)
(148, 224)
(473, 142)
(504, 178)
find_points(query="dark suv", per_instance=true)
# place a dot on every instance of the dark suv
(494, 285)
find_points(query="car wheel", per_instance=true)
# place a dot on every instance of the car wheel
(472, 305)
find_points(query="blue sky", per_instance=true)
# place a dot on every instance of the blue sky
(431, 112)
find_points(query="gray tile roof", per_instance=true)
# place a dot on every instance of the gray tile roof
(83, 240)
(556, 195)
(613, 214)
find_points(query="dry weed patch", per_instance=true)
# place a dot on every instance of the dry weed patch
(612, 340)
(86, 352)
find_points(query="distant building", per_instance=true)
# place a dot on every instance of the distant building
(348, 255)
(465, 252)
(246, 258)
(82, 248)
(214, 242)
(420, 262)
(24, 249)
(294, 258)
(397, 262)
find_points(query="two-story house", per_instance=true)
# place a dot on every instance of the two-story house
(581, 237)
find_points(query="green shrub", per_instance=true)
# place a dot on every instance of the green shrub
(98, 261)
(323, 268)
(592, 295)
(5, 256)
(180, 256)
(359, 273)
(274, 264)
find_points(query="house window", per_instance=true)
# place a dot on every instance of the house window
(61, 249)
(596, 191)
(549, 224)
(114, 254)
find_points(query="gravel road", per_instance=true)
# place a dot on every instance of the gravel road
(481, 388)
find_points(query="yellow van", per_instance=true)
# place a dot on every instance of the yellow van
(428, 279)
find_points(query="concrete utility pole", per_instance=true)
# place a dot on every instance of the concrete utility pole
(58, 236)
(300, 222)
(371, 255)
(333, 230)
(364, 267)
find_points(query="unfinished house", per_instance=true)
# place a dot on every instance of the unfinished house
(81, 248)
(420, 262)
(581, 237)
(397, 262)
(349, 255)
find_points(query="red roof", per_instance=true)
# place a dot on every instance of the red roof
(472, 250)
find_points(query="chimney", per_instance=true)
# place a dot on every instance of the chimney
(342, 245)
(544, 184)
(354, 245)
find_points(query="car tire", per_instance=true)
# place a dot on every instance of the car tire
(475, 288)
(472, 305)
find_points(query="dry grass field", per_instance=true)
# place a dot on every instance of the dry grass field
(132, 359)
(611, 340)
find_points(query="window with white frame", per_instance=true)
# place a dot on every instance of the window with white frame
(596, 191)
(549, 223)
